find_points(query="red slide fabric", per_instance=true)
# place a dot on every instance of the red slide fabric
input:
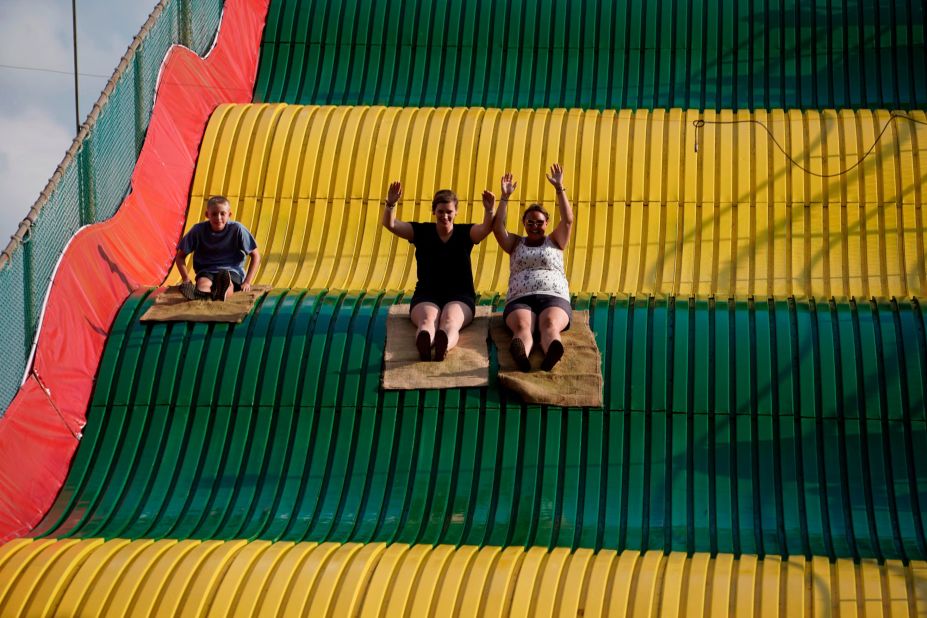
(106, 261)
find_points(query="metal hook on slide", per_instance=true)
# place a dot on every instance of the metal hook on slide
(698, 124)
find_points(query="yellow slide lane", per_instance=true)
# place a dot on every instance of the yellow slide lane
(93, 577)
(662, 206)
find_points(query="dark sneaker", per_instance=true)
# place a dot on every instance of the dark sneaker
(553, 356)
(188, 290)
(423, 344)
(517, 348)
(440, 345)
(220, 284)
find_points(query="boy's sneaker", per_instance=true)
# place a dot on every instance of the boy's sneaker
(220, 284)
(188, 290)
(520, 355)
(553, 356)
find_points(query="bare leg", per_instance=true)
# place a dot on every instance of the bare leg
(551, 323)
(204, 284)
(454, 317)
(521, 323)
(425, 318)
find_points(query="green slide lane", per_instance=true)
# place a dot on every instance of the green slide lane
(775, 427)
(595, 54)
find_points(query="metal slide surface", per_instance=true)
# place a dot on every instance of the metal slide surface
(728, 427)
(596, 54)
(762, 332)
(105, 262)
(654, 214)
(258, 578)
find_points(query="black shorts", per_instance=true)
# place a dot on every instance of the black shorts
(442, 299)
(537, 303)
(236, 278)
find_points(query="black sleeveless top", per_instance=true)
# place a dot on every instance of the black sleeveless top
(443, 267)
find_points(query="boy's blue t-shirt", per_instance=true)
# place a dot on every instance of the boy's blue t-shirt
(215, 251)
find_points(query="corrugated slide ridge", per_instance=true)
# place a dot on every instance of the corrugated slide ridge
(237, 578)
(776, 427)
(597, 54)
(662, 206)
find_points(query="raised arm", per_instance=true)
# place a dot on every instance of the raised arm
(561, 235)
(506, 241)
(389, 220)
(481, 230)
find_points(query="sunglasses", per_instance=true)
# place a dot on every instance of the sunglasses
(534, 223)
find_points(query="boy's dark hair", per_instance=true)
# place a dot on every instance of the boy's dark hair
(216, 200)
(444, 196)
(535, 208)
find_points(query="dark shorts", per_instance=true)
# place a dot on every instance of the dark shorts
(442, 299)
(236, 278)
(536, 303)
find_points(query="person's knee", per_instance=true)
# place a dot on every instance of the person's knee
(425, 316)
(447, 318)
(553, 321)
(451, 322)
(519, 323)
(549, 323)
(456, 315)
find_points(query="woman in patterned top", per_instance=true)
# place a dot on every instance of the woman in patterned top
(444, 300)
(539, 294)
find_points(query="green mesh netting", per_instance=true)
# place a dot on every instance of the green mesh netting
(204, 17)
(96, 181)
(49, 235)
(12, 319)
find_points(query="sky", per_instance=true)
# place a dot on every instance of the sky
(37, 120)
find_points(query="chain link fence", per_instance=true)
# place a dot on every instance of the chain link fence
(93, 179)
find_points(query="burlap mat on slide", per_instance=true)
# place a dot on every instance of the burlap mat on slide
(171, 306)
(466, 365)
(575, 381)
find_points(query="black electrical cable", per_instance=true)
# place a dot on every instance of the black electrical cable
(698, 124)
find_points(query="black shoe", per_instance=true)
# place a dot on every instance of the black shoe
(423, 344)
(553, 356)
(520, 356)
(197, 295)
(440, 345)
(220, 284)
(188, 290)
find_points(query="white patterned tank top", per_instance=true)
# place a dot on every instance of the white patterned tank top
(537, 270)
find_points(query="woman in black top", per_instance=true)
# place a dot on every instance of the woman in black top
(444, 299)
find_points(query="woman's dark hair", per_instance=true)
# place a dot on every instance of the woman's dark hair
(444, 196)
(535, 208)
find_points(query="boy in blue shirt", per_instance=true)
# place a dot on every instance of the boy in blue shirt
(219, 246)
